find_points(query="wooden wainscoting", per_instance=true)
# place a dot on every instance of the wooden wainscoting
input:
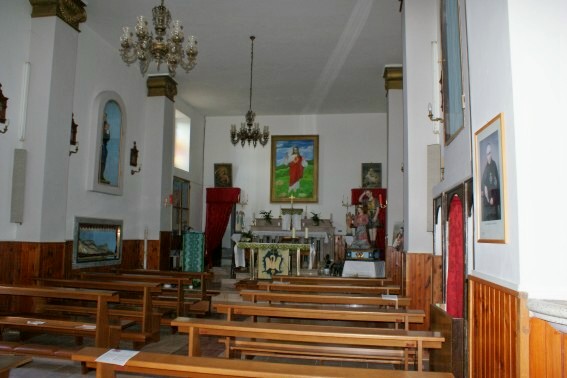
(548, 350)
(498, 330)
(419, 267)
(395, 265)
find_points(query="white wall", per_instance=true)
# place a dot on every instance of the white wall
(15, 22)
(538, 35)
(491, 93)
(99, 68)
(395, 160)
(345, 141)
(420, 28)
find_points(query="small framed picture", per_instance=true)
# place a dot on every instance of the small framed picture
(371, 175)
(223, 175)
(490, 179)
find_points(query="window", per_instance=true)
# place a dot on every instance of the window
(180, 205)
(182, 141)
(452, 74)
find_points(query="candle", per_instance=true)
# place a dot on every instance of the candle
(306, 233)
(293, 233)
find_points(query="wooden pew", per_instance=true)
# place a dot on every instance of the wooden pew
(323, 288)
(331, 280)
(353, 299)
(308, 341)
(150, 320)
(320, 312)
(178, 301)
(203, 277)
(183, 366)
(11, 362)
(104, 335)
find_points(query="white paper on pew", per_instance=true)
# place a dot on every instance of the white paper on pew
(390, 296)
(117, 356)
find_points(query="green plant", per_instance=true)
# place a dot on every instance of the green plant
(267, 215)
(246, 236)
(315, 218)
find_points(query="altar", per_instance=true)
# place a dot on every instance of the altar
(274, 258)
(320, 235)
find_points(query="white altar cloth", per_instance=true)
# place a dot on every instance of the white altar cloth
(298, 234)
(354, 268)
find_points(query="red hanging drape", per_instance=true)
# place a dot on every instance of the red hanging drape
(219, 207)
(379, 194)
(456, 264)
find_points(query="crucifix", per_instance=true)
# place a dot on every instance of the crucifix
(291, 198)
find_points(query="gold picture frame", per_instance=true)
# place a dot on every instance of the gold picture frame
(490, 182)
(294, 168)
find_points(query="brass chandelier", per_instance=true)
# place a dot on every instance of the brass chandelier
(157, 48)
(250, 131)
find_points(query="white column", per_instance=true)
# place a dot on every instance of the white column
(420, 28)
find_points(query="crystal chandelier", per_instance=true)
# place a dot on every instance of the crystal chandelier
(250, 132)
(147, 47)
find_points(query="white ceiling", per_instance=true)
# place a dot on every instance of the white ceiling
(310, 56)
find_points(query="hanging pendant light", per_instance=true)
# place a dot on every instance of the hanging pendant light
(250, 131)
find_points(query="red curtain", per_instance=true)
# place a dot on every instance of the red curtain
(219, 207)
(456, 268)
(380, 194)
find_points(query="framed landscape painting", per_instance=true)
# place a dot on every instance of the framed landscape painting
(294, 168)
(490, 178)
(97, 242)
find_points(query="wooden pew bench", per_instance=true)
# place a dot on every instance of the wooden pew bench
(321, 312)
(331, 280)
(142, 313)
(311, 341)
(327, 288)
(204, 279)
(345, 299)
(11, 362)
(172, 298)
(104, 334)
(183, 366)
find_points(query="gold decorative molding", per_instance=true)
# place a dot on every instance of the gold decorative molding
(162, 85)
(393, 77)
(71, 11)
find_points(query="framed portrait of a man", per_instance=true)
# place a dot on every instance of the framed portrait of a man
(490, 178)
(294, 168)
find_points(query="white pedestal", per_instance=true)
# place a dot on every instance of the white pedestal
(353, 268)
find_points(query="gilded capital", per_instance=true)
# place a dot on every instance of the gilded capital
(162, 85)
(393, 77)
(71, 11)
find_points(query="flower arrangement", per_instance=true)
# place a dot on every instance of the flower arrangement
(267, 215)
(246, 236)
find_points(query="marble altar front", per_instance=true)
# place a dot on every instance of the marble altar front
(275, 263)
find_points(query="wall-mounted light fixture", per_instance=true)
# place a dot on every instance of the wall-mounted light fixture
(430, 114)
(73, 140)
(3, 107)
(134, 159)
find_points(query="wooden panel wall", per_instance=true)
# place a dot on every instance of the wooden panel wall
(395, 265)
(437, 279)
(548, 350)
(498, 330)
(419, 268)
